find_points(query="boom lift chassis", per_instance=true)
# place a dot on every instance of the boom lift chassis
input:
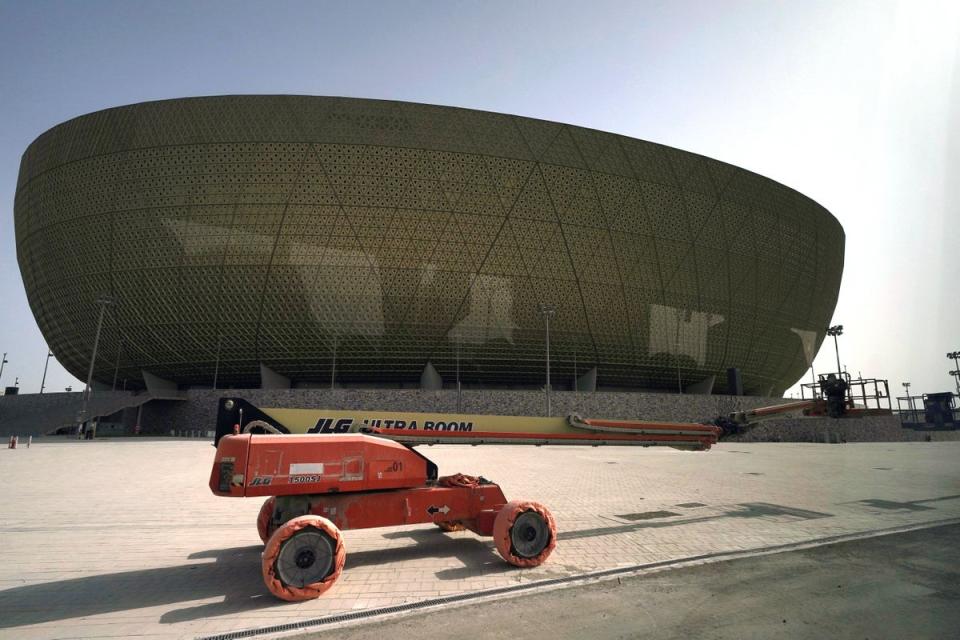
(363, 473)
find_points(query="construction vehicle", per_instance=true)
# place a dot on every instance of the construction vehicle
(930, 411)
(324, 472)
(837, 395)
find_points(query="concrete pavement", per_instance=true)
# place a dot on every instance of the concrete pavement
(903, 585)
(123, 538)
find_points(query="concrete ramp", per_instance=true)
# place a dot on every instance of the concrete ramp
(37, 414)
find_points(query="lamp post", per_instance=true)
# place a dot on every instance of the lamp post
(43, 381)
(3, 362)
(955, 356)
(836, 330)
(906, 386)
(547, 311)
(104, 302)
(676, 356)
(333, 364)
(576, 387)
(216, 366)
(116, 365)
(458, 373)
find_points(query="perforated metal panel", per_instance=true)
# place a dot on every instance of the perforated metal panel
(284, 229)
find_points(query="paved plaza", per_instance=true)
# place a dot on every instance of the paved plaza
(124, 539)
(896, 586)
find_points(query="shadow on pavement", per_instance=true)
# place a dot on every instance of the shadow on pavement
(234, 575)
(478, 556)
(744, 510)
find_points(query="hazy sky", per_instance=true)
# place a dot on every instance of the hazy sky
(855, 104)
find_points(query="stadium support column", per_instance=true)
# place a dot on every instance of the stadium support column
(430, 380)
(157, 386)
(588, 381)
(704, 387)
(104, 302)
(734, 382)
(270, 379)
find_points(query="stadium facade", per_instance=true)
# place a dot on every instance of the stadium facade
(372, 241)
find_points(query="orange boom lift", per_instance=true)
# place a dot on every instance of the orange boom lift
(323, 472)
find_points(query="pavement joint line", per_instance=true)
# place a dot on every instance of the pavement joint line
(363, 616)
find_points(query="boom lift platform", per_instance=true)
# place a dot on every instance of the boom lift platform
(323, 472)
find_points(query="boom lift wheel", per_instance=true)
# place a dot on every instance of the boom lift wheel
(264, 527)
(303, 558)
(525, 533)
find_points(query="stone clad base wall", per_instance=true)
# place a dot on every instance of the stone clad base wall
(869, 429)
(201, 405)
(35, 413)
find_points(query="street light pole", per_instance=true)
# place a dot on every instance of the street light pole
(576, 387)
(43, 381)
(104, 302)
(906, 386)
(458, 373)
(116, 366)
(955, 356)
(216, 366)
(836, 330)
(3, 362)
(548, 310)
(333, 365)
